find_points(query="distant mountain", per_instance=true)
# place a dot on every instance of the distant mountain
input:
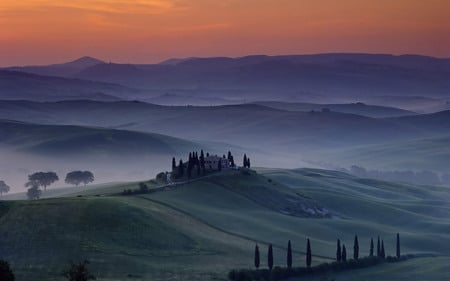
(180, 99)
(16, 85)
(352, 108)
(286, 77)
(60, 70)
(79, 142)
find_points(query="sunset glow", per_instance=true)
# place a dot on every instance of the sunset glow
(46, 31)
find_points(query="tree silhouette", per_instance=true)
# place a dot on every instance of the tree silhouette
(79, 177)
(78, 272)
(257, 256)
(344, 253)
(378, 247)
(289, 255)
(270, 257)
(244, 162)
(356, 248)
(398, 245)
(180, 169)
(4, 188)
(248, 162)
(338, 251)
(34, 192)
(6, 273)
(219, 165)
(371, 247)
(308, 254)
(174, 164)
(382, 253)
(42, 179)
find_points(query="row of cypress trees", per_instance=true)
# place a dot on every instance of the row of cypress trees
(341, 252)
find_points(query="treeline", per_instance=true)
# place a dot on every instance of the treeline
(421, 177)
(343, 261)
(38, 182)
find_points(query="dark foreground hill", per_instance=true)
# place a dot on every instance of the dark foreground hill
(211, 225)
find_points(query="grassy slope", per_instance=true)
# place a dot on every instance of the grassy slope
(201, 229)
(77, 140)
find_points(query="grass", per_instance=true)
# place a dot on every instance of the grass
(203, 229)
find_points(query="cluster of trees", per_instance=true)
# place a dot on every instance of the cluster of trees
(341, 263)
(197, 163)
(419, 177)
(39, 180)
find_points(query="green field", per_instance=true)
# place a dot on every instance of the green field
(201, 229)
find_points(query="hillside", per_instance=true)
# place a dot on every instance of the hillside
(211, 225)
(77, 141)
(17, 85)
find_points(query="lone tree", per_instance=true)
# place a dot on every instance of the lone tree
(78, 272)
(244, 162)
(42, 179)
(356, 248)
(382, 253)
(34, 192)
(344, 253)
(308, 254)
(256, 256)
(371, 247)
(6, 273)
(79, 177)
(289, 255)
(338, 251)
(398, 245)
(270, 257)
(4, 188)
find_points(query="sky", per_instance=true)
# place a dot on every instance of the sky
(149, 31)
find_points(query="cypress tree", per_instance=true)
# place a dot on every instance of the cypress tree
(174, 164)
(257, 256)
(289, 255)
(378, 247)
(270, 257)
(244, 162)
(356, 248)
(338, 251)
(248, 162)
(382, 253)
(398, 245)
(180, 169)
(344, 253)
(371, 247)
(308, 254)
(219, 166)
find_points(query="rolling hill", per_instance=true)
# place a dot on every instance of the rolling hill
(16, 85)
(211, 225)
(351, 108)
(76, 141)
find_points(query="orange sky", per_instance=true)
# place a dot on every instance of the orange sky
(138, 31)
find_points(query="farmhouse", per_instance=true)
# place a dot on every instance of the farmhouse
(212, 163)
